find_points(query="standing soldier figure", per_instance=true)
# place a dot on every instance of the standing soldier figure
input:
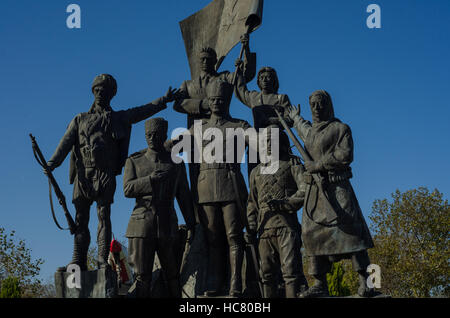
(98, 141)
(222, 194)
(192, 100)
(345, 234)
(263, 103)
(155, 180)
(273, 217)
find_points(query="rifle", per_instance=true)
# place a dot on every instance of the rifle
(318, 178)
(52, 183)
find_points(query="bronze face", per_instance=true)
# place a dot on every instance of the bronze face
(267, 82)
(207, 62)
(103, 95)
(319, 109)
(218, 105)
(155, 139)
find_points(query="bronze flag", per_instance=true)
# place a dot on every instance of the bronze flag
(219, 25)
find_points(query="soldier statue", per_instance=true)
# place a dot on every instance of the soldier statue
(191, 98)
(274, 220)
(345, 236)
(154, 180)
(263, 103)
(222, 194)
(98, 141)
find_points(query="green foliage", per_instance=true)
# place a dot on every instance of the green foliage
(411, 236)
(92, 258)
(11, 288)
(351, 278)
(337, 286)
(16, 261)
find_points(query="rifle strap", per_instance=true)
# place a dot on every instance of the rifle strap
(51, 206)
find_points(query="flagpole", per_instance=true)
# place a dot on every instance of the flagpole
(249, 27)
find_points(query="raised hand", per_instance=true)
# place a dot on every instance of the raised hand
(313, 166)
(245, 39)
(170, 95)
(293, 112)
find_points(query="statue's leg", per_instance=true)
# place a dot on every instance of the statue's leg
(167, 258)
(291, 261)
(360, 262)
(268, 266)
(194, 170)
(235, 237)
(318, 268)
(82, 237)
(214, 234)
(104, 235)
(141, 256)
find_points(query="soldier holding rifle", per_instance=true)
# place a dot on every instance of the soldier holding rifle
(333, 226)
(98, 141)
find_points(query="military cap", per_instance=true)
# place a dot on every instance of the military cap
(220, 88)
(156, 124)
(107, 80)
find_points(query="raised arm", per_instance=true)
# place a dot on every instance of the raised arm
(302, 126)
(242, 93)
(140, 113)
(249, 67)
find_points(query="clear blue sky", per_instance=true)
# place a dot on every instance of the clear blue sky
(390, 85)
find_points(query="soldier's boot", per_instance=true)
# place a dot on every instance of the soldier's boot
(174, 288)
(303, 284)
(81, 243)
(142, 286)
(319, 289)
(215, 273)
(270, 290)
(291, 290)
(236, 259)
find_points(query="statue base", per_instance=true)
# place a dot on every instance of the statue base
(101, 283)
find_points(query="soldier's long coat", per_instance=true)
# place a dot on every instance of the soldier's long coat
(331, 144)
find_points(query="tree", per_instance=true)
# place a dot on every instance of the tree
(337, 286)
(11, 288)
(411, 236)
(16, 261)
(92, 258)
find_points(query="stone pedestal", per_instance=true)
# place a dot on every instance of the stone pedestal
(101, 283)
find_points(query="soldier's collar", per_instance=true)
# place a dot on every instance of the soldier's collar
(219, 120)
(154, 155)
(204, 74)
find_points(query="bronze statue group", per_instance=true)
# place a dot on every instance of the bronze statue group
(333, 227)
